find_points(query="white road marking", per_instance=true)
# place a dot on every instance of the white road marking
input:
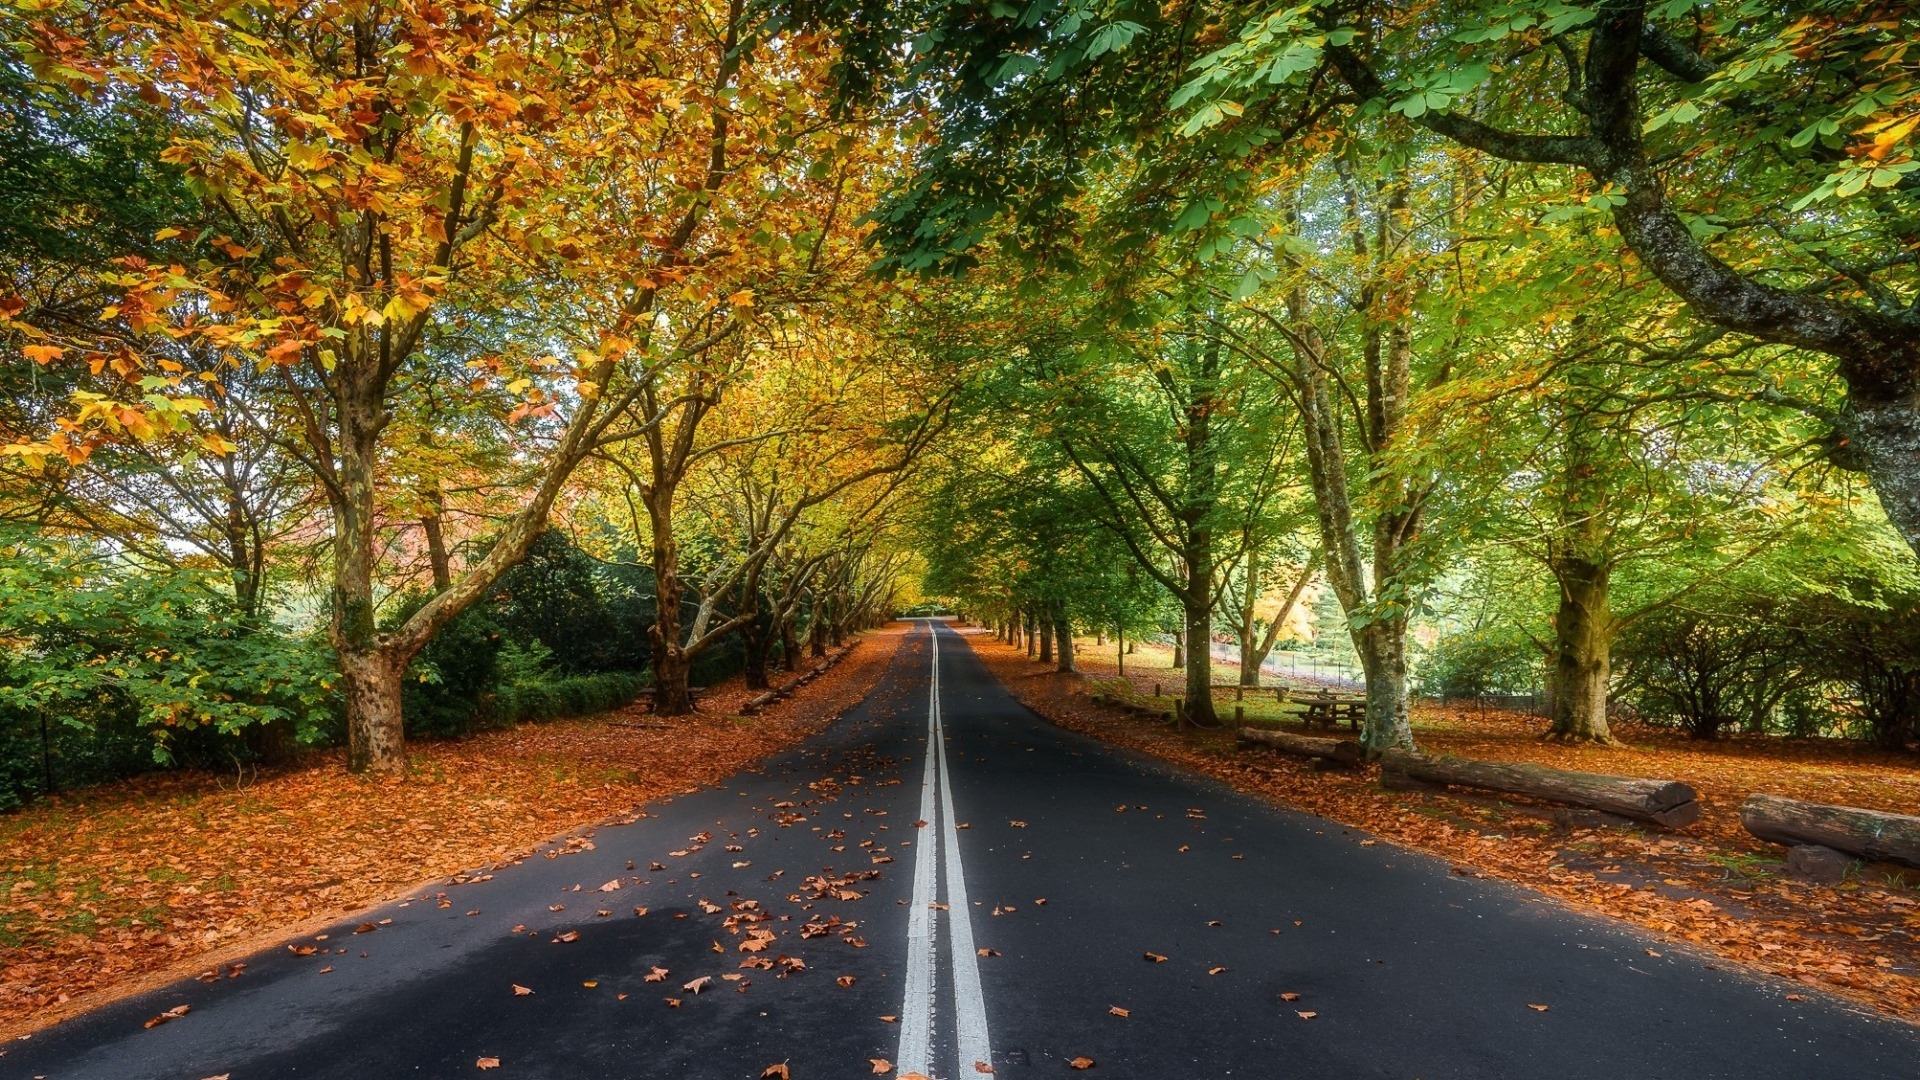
(969, 1005)
(916, 1012)
(971, 1038)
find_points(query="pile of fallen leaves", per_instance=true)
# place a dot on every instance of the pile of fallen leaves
(107, 890)
(1712, 885)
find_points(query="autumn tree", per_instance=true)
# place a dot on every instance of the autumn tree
(1760, 162)
(375, 172)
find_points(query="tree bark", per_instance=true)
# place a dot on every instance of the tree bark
(670, 662)
(671, 694)
(437, 558)
(1063, 629)
(1867, 834)
(370, 667)
(1583, 644)
(789, 645)
(1664, 802)
(1383, 658)
(376, 730)
(756, 643)
(1045, 622)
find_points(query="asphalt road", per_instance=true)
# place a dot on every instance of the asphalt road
(991, 901)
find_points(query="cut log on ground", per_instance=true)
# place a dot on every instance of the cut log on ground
(1865, 834)
(1341, 751)
(1663, 802)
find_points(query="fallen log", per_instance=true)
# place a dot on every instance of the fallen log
(1345, 752)
(759, 701)
(1865, 834)
(1663, 802)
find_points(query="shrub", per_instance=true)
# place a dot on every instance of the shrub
(448, 684)
(554, 697)
(564, 599)
(106, 670)
(1480, 663)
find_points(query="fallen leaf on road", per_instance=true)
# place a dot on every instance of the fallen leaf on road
(172, 1014)
(639, 911)
(1018, 824)
(571, 935)
(1082, 1062)
(982, 1067)
(487, 1063)
(1539, 1008)
(844, 981)
(658, 974)
(1115, 1010)
(1289, 996)
(881, 1066)
(1156, 958)
(521, 991)
(1217, 969)
(1305, 1014)
(611, 886)
(776, 1071)
(891, 1020)
(697, 985)
(984, 951)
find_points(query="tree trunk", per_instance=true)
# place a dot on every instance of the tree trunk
(789, 645)
(1063, 630)
(1383, 656)
(376, 731)
(370, 671)
(1264, 647)
(670, 661)
(1665, 802)
(1583, 645)
(1026, 623)
(437, 557)
(1885, 431)
(1179, 652)
(671, 694)
(1199, 626)
(1120, 650)
(1249, 645)
(756, 642)
(1046, 639)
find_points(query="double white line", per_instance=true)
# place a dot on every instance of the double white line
(916, 1014)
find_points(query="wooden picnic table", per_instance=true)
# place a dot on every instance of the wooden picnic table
(1325, 708)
